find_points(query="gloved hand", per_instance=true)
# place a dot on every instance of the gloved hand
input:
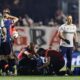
(67, 41)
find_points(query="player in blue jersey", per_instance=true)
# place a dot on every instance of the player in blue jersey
(3, 63)
(9, 21)
(7, 45)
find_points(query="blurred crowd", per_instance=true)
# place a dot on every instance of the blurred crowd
(25, 20)
(18, 8)
(59, 19)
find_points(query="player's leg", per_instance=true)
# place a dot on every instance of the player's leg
(3, 61)
(69, 59)
(7, 51)
(4, 67)
(11, 63)
(62, 50)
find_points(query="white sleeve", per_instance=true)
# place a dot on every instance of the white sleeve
(75, 28)
(61, 29)
(2, 23)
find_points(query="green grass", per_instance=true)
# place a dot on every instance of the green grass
(40, 78)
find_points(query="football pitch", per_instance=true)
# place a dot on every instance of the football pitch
(39, 77)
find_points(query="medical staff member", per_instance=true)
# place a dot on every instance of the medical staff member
(68, 35)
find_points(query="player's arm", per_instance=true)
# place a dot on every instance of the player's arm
(62, 37)
(75, 39)
(15, 19)
(3, 30)
(60, 32)
(45, 64)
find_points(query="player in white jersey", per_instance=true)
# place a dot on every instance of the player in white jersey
(67, 34)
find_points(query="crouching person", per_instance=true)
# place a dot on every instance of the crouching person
(53, 61)
(27, 62)
(42, 62)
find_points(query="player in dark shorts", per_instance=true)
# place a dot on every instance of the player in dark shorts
(3, 62)
(6, 46)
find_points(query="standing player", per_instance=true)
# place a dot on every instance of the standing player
(67, 34)
(9, 21)
(3, 63)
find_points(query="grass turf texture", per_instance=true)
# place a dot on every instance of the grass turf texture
(39, 77)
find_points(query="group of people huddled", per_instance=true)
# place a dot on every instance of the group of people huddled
(41, 61)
